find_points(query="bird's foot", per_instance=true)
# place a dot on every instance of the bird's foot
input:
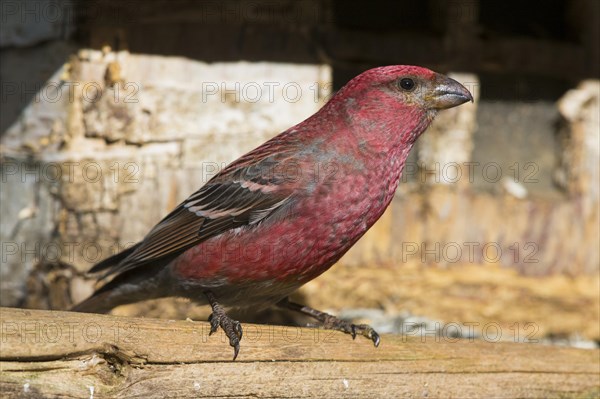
(331, 322)
(232, 328)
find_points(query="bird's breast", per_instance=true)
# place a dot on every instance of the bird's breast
(320, 225)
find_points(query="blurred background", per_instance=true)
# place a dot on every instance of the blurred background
(112, 112)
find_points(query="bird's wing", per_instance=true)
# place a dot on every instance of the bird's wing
(240, 196)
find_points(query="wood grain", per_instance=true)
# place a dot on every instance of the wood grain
(65, 354)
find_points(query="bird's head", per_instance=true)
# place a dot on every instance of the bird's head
(426, 88)
(410, 86)
(393, 105)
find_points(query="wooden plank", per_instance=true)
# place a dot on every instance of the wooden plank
(65, 354)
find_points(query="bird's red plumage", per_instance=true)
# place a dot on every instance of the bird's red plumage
(287, 211)
(348, 161)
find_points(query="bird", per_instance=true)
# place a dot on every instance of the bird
(285, 212)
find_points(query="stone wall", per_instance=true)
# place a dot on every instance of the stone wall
(114, 141)
(98, 143)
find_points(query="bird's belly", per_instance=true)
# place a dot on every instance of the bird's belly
(280, 255)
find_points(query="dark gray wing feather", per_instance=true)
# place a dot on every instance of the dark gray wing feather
(246, 193)
(212, 210)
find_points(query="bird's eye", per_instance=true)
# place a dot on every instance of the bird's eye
(407, 84)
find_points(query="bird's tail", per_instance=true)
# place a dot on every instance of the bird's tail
(125, 288)
(107, 297)
(97, 303)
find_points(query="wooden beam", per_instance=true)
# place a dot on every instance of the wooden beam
(308, 32)
(65, 354)
(501, 55)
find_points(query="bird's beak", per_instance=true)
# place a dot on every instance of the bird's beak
(448, 93)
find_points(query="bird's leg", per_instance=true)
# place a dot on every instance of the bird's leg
(218, 317)
(331, 322)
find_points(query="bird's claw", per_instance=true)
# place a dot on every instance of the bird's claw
(333, 323)
(234, 332)
(375, 338)
(366, 331)
(214, 324)
(238, 329)
(232, 328)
